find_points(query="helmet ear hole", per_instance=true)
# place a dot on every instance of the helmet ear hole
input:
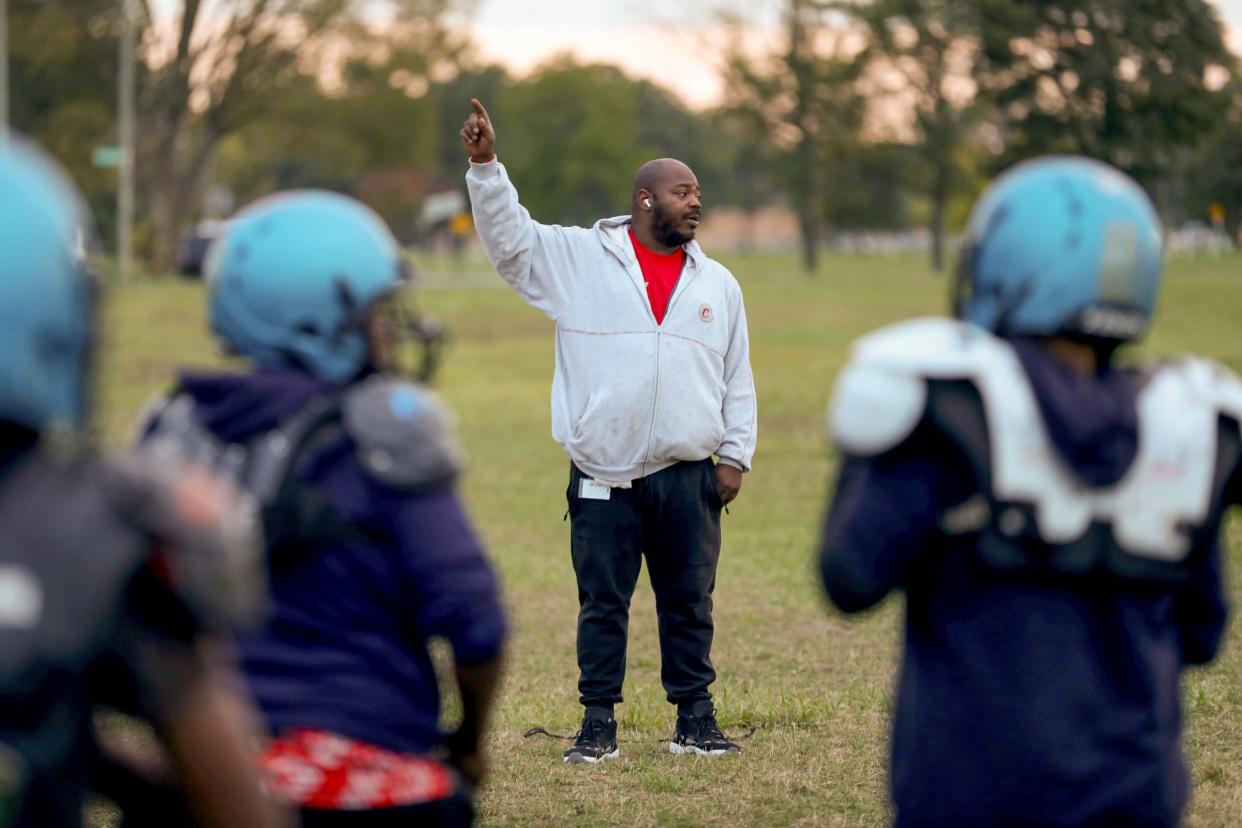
(345, 296)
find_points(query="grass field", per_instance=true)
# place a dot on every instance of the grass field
(813, 686)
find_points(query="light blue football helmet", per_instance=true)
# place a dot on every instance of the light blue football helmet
(47, 297)
(1062, 246)
(292, 278)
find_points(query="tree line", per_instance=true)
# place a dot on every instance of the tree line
(876, 114)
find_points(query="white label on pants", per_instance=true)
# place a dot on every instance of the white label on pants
(589, 489)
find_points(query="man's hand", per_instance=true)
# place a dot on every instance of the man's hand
(728, 482)
(478, 134)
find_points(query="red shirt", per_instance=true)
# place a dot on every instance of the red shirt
(661, 272)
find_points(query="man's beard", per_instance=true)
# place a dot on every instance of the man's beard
(662, 227)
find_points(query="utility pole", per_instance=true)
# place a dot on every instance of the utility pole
(125, 172)
(4, 72)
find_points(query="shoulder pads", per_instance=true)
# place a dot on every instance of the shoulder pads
(152, 409)
(212, 539)
(934, 347)
(403, 432)
(881, 395)
(1213, 382)
(874, 409)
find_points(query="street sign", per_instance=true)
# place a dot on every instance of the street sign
(1216, 212)
(107, 156)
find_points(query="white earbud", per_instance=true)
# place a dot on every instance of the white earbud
(647, 203)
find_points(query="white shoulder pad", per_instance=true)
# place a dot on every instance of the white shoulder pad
(934, 347)
(403, 432)
(881, 394)
(150, 411)
(873, 408)
(1213, 382)
(211, 529)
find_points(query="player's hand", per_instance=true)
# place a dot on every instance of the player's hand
(728, 482)
(478, 134)
(472, 766)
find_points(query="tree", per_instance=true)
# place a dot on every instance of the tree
(806, 98)
(451, 98)
(573, 135)
(63, 70)
(1131, 82)
(1214, 174)
(748, 156)
(927, 47)
(233, 60)
(666, 128)
(872, 188)
(377, 144)
(570, 136)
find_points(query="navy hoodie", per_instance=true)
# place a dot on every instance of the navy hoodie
(1023, 702)
(345, 647)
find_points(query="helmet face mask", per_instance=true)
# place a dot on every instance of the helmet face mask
(403, 342)
(1061, 246)
(960, 298)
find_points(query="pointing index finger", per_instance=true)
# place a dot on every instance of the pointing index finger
(479, 110)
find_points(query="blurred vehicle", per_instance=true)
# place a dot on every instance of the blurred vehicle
(192, 251)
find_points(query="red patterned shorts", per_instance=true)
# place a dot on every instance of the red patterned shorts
(317, 769)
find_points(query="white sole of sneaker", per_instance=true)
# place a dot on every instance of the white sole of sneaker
(578, 759)
(683, 750)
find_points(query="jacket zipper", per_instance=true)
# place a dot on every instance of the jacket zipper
(659, 332)
(674, 296)
(655, 396)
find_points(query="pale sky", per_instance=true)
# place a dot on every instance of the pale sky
(676, 43)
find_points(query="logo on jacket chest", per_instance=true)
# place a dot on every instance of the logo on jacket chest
(705, 312)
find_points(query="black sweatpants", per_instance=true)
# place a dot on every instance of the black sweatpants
(672, 518)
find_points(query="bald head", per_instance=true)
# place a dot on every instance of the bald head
(665, 204)
(661, 171)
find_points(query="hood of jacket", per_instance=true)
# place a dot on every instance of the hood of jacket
(235, 407)
(614, 234)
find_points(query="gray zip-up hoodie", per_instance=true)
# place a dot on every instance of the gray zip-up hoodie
(629, 397)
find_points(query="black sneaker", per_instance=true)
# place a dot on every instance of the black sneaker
(699, 733)
(595, 742)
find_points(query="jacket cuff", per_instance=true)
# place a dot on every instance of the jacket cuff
(729, 461)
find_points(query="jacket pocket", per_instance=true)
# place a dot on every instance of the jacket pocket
(580, 420)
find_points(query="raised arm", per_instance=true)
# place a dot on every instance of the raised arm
(542, 262)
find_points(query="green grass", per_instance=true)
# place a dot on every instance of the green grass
(814, 686)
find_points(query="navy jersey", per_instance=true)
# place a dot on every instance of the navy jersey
(1040, 694)
(345, 646)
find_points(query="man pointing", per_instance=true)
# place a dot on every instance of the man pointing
(652, 380)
